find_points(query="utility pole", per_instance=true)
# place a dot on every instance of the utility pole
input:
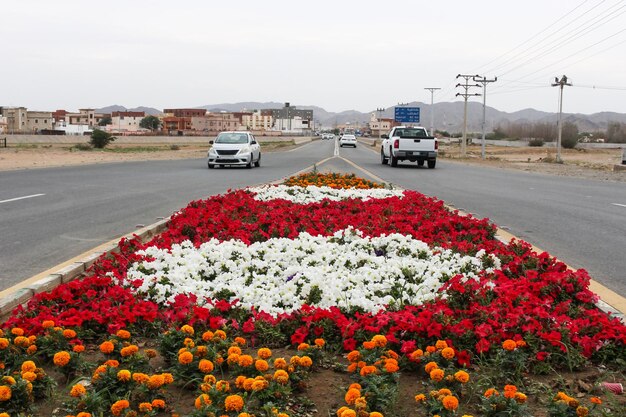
(560, 83)
(466, 95)
(432, 109)
(484, 81)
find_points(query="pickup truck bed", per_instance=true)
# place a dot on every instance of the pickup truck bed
(409, 144)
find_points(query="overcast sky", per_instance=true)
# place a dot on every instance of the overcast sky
(339, 55)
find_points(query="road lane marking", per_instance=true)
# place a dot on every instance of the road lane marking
(20, 198)
(336, 147)
(615, 204)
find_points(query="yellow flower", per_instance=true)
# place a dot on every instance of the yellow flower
(222, 385)
(187, 329)
(123, 375)
(233, 403)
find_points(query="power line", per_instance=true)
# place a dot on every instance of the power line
(466, 87)
(484, 81)
(560, 83)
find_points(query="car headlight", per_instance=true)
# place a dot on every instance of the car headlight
(212, 151)
(245, 149)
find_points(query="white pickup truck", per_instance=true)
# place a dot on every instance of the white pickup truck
(409, 143)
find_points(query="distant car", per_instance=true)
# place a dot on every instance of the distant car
(347, 140)
(329, 136)
(234, 148)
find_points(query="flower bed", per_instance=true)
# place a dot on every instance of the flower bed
(331, 258)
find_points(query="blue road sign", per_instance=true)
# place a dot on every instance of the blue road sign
(407, 114)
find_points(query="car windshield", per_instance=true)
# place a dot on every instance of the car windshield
(232, 138)
(411, 133)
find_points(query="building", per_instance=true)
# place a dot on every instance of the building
(20, 120)
(126, 121)
(258, 120)
(380, 126)
(213, 123)
(37, 121)
(290, 119)
(3, 125)
(184, 112)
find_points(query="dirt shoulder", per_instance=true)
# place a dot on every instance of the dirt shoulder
(32, 156)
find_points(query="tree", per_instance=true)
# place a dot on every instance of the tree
(105, 121)
(569, 135)
(100, 138)
(150, 122)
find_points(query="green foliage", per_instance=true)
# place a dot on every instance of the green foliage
(100, 139)
(569, 135)
(105, 121)
(497, 134)
(536, 142)
(150, 122)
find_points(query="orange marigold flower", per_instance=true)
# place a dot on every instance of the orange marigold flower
(450, 402)
(205, 366)
(352, 395)
(595, 400)
(8, 380)
(232, 359)
(69, 334)
(259, 385)
(78, 348)
(31, 349)
(281, 376)
(520, 398)
(28, 366)
(420, 398)
(430, 366)
(369, 345)
(151, 353)
(158, 403)
(187, 329)
(61, 358)
(341, 410)
(123, 334)
(81, 414)
(490, 392)
(348, 413)
(234, 350)
(261, 365)
(431, 349)
(185, 358)
(360, 403)
(462, 376)
(306, 361)
(156, 381)
(320, 342)
(367, 370)
(188, 342)
(509, 394)
(280, 363)
(441, 344)
(123, 375)
(99, 370)
(203, 400)
(78, 390)
(201, 351)
(379, 340)
(247, 384)
(167, 378)
(240, 341)
(511, 388)
(5, 393)
(509, 345)
(447, 353)
(222, 385)
(21, 341)
(391, 366)
(582, 411)
(295, 360)
(208, 335)
(145, 407)
(17, 331)
(375, 414)
(29, 376)
(220, 334)
(129, 351)
(245, 360)
(437, 375)
(303, 346)
(119, 406)
(520, 343)
(239, 381)
(354, 356)
(443, 392)
(47, 324)
(233, 403)
(264, 353)
(416, 355)
(107, 347)
(112, 363)
(4, 343)
(140, 377)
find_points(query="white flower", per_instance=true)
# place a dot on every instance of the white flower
(311, 194)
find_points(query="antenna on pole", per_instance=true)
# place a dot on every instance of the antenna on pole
(560, 83)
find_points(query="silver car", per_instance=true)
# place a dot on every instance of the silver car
(234, 148)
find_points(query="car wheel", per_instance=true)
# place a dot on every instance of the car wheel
(431, 164)
(211, 166)
(383, 158)
(258, 161)
(420, 163)
(249, 164)
(393, 159)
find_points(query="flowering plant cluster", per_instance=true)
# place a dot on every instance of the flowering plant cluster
(365, 269)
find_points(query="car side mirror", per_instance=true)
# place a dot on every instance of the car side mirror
(210, 142)
(253, 142)
(385, 136)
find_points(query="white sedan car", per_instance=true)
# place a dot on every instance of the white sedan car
(234, 148)
(347, 140)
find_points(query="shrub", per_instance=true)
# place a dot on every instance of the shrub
(100, 138)
(536, 142)
(83, 147)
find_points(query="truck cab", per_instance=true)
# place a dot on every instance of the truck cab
(409, 143)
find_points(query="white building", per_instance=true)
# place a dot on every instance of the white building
(126, 122)
(259, 120)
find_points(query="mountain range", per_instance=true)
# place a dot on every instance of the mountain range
(448, 115)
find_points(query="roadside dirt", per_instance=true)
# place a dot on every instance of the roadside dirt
(57, 155)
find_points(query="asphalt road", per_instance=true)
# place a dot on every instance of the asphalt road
(581, 222)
